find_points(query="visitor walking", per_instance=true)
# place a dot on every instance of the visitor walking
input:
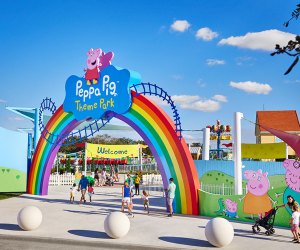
(90, 191)
(72, 193)
(83, 183)
(145, 197)
(171, 195)
(294, 222)
(127, 198)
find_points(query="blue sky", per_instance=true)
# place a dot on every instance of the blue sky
(213, 57)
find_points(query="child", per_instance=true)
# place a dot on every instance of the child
(72, 192)
(90, 191)
(294, 222)
(145, 197)
(127, 198)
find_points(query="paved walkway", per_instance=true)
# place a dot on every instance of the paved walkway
(71, 226)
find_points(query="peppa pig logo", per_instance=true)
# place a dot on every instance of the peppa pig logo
(103, 88)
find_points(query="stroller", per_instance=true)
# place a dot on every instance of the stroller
(266, 222)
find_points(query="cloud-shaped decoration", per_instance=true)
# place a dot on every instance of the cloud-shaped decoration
(111, 93)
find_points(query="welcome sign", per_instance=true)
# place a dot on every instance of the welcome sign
(102, 89)
(111, 151)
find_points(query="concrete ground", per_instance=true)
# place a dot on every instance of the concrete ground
(74, 226)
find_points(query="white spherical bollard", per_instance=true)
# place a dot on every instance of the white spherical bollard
(29, 218)
(219, 232)
(116, 225)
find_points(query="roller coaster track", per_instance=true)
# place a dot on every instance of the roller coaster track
(47, 104)
(89, 130)
(153, 89)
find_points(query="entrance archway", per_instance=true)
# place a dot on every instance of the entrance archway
(153, 125)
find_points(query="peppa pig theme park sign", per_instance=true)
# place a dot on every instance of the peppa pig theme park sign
(103, 88)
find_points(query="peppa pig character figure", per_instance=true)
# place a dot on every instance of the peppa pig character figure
(231, 208)
(292, 180)
(96, 61)
(257, 200)
(92, 62)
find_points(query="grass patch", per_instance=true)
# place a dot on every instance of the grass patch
(4, 196)
(12, 180)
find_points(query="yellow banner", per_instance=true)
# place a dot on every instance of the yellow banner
(222, 137)
(111, 151)
(264, 151)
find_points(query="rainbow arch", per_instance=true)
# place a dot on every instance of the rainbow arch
(157, 130)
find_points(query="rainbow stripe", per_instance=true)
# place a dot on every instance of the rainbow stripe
(157, 130)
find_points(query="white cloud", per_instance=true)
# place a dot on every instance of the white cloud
(184, 99)
(157, 100)
(206, 34)
(193, 102)
(188, 136)
(202, 105)
(191, 138)
(252, 87)
(264, 40)
(212, 62)
(2, 101)
(177, 77)
(220, 98)
(244, 60)
(180, 25)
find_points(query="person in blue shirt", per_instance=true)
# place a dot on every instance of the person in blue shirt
(127, 198)
(83, 183)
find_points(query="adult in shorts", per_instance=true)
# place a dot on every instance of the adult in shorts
(171, 195)
(127, 198)
(83, 187)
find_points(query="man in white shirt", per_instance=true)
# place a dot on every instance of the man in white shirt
(171, 195)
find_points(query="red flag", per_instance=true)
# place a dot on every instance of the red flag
(227, 145)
